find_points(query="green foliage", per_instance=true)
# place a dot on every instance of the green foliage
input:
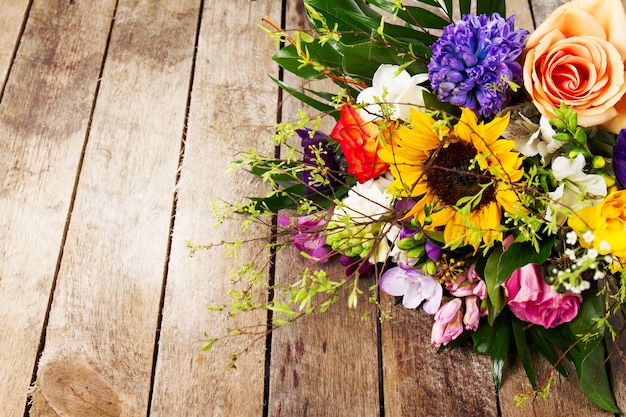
(495, 340)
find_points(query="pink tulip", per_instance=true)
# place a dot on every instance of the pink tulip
(531, 299)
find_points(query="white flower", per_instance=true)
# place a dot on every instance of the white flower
(588, 237)
(571, 254)
(532, 139)
(572, 171)
(571, 238)
(574, 183)
(548, 145)
(367, 202)
(397, 90)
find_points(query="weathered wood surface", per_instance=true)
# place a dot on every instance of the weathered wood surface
(233, 107)
(118, 119)
(44, 118)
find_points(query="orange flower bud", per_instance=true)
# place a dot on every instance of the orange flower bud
(359, 143)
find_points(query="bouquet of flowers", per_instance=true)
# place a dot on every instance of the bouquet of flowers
(475, 170)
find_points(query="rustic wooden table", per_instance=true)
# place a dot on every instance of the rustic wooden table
(118, 119)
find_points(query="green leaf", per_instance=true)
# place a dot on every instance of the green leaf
(340, 13)
(394, 34)
(316, 104)
(589, 356)
(289, 197)
(496, 341)
(500, 348)
(363, 59)
(432, 102)
(591, 308)
(494, 290)
(540, 339)
(491, 6)
(483, 338)
(520, 254)
(523, 352)
(413, 15)
(594, 380)
(289, 59)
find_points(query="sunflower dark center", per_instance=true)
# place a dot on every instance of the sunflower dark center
(450, 177)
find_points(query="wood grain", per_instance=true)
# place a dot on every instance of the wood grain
(12, 18)
(565, 395)
(233, 107)
(420, 382)
(326, 364)
(125, 292)
(43, 122)
(104, 316)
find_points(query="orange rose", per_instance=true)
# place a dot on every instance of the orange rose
(576, 56)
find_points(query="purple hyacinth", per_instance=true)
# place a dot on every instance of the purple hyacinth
(310, 145)
(473, 61)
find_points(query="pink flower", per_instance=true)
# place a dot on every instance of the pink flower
(308, 235)
(414, 286)
(472, 312)
(448, 323)
(469, 284)
(531, 299)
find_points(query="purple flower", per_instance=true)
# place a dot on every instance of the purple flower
(360, 265)
(432, 250)
(619, 158)
(414, 287)
(308, 235)
(473, 60)
(311, 146)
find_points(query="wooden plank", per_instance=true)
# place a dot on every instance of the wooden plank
(12, 18)
(542, 8)
(233, 107)
(326, 364)
(420, 382)
(565, 395)
(617, 362)
(43, 122)
(522, 12)
(99, 345)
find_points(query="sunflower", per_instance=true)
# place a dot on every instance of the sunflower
(462, 178)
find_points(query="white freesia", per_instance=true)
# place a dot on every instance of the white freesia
(574, 182)
(396, 90)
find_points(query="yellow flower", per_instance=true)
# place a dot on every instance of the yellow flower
(464, 177)
(603, 227)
